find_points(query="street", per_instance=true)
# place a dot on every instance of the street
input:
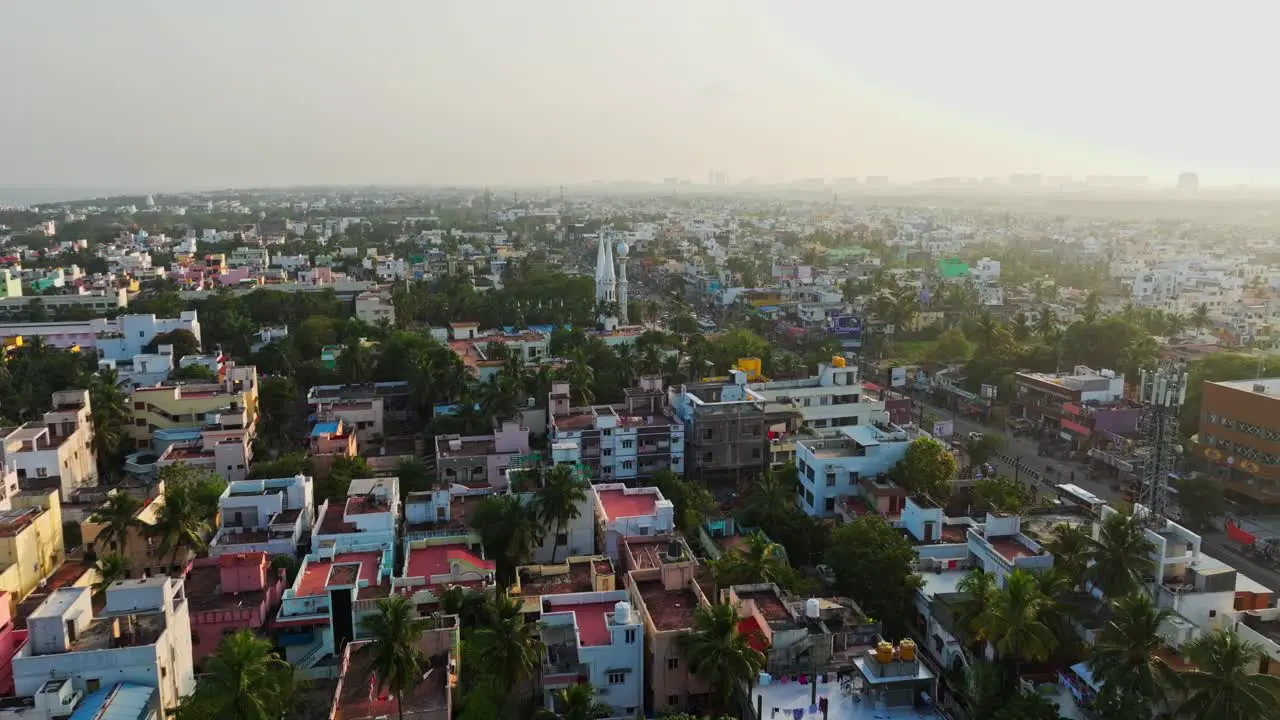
(1026, 451)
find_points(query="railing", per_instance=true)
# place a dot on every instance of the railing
(303, 662)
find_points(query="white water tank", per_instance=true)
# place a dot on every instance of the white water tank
(813, 608)
(622, 613)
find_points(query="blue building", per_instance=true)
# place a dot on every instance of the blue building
(831, 468)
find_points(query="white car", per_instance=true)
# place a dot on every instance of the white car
(975, 436)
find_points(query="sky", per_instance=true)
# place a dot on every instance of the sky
(157, 94)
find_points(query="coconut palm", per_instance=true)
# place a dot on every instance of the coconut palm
(719, 654)
(511, 647)
(508, 530)
(180, 521)
(1013, 621)
(109, 408)
(398, 661)
(1225, 684)
(559, 502)
(117, 515)
(576, 702)
(110, 569)
(978, 587)
(1046, 323)
(1121, 556)
(1200, 316)
(243, 680)
(581, 375)
(773, 497)
(1070, 546)
(757, 561)
(1123, 658)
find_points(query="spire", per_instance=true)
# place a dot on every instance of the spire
(605, 279)
(623, 252)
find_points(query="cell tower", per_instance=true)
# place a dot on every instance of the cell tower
(1161, 392)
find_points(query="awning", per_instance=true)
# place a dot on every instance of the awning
(1075, 427)
(1235, 532)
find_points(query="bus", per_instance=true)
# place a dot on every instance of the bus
(1077, 495)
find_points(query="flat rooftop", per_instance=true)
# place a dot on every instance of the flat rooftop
(654, 551)
(478, 446)
(574, 421)
(343, 569)
(578, 579)
(792, 695)
(204, 592)
(620, 504)
(669, 609)
(365, 504)
(592, 620)
(334, 521)
(134, 631)
(770, 606)
(356, 701)
(16, 520)
(435, 559)
(1270, 386)
(1011, 549)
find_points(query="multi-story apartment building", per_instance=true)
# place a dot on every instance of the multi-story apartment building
(1239, 437)
(729, 429)
(230, 593)
(625, 443)
(375, 309)
(141, 635)
(99, 301)
(831, 468)
(140, 549)
(373, 409)
(118, 338)
(1042, 396)
(255, 259)
(55, 452)
(481, 460)
(30, 541)
(209, 425)
(622, 512)
(594, 637)
(368, 515)
(268, 516)
(1000, 547)
(832, 398)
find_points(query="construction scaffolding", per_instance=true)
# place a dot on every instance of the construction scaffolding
(1162, 392)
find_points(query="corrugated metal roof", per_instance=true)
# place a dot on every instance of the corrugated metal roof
(122, 701)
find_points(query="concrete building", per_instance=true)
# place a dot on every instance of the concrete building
(359, 696)
(119, 338)
(1239, 439)
(832, 398)
(329, 441)
(140, 550)
(1000, 547)
(595, 637)
(142, 635)
(628, 442)
(375, 309)
(622, 512)
(373, 409)
(228, 594)
(368, 515)
(98, 301)
(10, 284)
(31, 545)
(1041, 396)
(269, 516)
(57, 451)
(581, 574)
(729, 429)
(481, 460)
(831, 469)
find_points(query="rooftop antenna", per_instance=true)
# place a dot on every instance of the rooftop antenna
(1162, 392)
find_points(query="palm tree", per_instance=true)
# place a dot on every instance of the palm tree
(719, 654)
(110, 569)
(180, 522)
(1046, 323)
(580, 375)
(979, 588)
(1070, 547)
(355, 363)
(1021, 326)
(1200, 317)
(118, 515)
(398, 662)
(244, 680)
(1091, 307)
(1012, 622)
(576, 702)
(1124, 660)
(988, 330)
(511, 647)
(508, 530)
(1121, 556)
(758, 561)
(773, 497)
(559, 502)
(1225, 684)
(108, 406)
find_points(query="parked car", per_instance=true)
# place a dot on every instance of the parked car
(975, 436)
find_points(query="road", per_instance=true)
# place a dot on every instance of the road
(1026, 451)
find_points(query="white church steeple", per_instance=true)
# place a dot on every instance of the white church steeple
(606, 280)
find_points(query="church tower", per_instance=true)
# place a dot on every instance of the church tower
(606, 281)
(623, 251)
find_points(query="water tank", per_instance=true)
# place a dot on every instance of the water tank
(884, 651)
(907, 650)
(673, 550)
(622, 613)
(812, 608)
(837, 361)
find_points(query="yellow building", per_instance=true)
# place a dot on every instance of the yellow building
(141, 551)
(30, 541)
(228, 405)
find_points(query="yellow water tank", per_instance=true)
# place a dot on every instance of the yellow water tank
(837, 361)
(884, 651)
(907, 650)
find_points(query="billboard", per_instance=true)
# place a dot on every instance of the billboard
(943, 428)
(845, 327)
(897, 377)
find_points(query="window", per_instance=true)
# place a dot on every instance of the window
(606, 432)
(831, 479)
(824, 400)
(139, 406)
(607, 452)
(628, 464)
(706, 434)
(673, 663)
(706, 457)
(673, 699)
(808, 498)
(617, 678)
(631, 637)
(806, 402)
(562, 538)
(831, 504)
(140, 422)
(628, 444)
(755, 453)
(92, 684)
(42, 472)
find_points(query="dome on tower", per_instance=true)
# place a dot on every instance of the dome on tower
(623, 249)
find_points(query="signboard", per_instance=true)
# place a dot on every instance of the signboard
(897, 377)
(943, 428)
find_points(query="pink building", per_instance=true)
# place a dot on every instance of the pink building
(230, 593)
(11, 639)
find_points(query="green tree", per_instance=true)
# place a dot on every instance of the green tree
(508, 529)
(414, 475)
(109, 408)
(982, 449)
(928, 468)
(1026, 706)
(1201, 501)
(184, 343)
(977, 588)
(118, 515)
(343, 470)
(1124, 659)
(111, 568)
(559, 502)
(1121, 556)
(511, 647)
(693, 503)
(1225, 683)
(576, 702)
(875, 565)
(193, 373)
(756, 561)
(1002, 494)
(719, 654)
(772, 498)
(1200, 316)
(180, 522)
(1013, 621)
(243, 680)
(398, 661)
(950, 347)
(1071, 546)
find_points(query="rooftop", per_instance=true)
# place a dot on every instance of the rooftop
(1011, 549)
(16, 520)
(477, 446)
(432, 560)
(621, 504)
(592, 620)
(365, 504)
(120, 631)
(359, 698)
(792, 695)
(334, 521)
(770, 606)
(578, 579)
(326, 428)
(204, 592)
(1268, 386)
(654, 551)
(319, 575)
(669, 609)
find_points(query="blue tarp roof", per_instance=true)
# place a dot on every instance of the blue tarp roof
(123, 701)
(1081, 669)
(324, 428)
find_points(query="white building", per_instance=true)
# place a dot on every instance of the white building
(832, 398)
(367, 516)
(375, 308)
(632, 440)
(832, 469)
(142, 635)
(623, 512)
(118, 338)
(597, 637)
(57, 451)
(264, 516)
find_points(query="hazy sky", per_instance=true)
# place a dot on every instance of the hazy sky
(169, 93)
